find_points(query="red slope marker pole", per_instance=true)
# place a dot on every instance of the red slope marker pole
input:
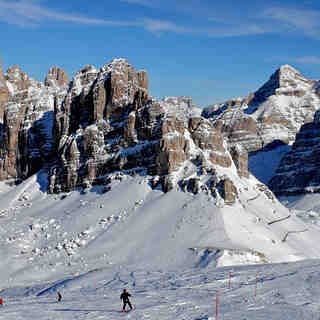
(255, 290)
(217, 304)
(229, 280)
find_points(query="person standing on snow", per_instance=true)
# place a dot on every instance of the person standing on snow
(125, 298)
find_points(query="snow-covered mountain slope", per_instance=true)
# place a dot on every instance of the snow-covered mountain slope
(47, 237)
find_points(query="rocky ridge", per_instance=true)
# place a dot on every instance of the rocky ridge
(126, 131)
(103, 125)
(275, 112)
(27, 141)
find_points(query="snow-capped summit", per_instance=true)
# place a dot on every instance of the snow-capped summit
(276, 111)
(287, 71)
(285, 81)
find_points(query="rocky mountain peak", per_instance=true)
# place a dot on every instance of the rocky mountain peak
(116, 87)
(83, 79)
(57, 77)
(120, 67)
(276, 111)
(284, 81)
(116, 64)
(14, 71)
(290, 77)
(288, 70)
(17, 78)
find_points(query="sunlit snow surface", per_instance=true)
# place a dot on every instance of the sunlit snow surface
(284, 291)
(164, 248)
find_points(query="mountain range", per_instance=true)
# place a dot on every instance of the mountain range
(97, 172)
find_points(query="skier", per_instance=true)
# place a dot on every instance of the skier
(125, 298)
(59, 296)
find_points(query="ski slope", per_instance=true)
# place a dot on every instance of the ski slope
(284, 291)
(174, 252)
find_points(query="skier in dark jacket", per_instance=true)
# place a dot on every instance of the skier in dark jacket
(125, 298)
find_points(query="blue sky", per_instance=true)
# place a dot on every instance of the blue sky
(210, 50)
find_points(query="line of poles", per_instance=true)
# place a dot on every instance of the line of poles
(217, 294)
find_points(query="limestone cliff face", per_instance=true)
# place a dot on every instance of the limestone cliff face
(104, 124)
(298, 171)
(108, 123)
(105, 121)
(26, 144)
(209, 138)
(275, 112)
(174, 146)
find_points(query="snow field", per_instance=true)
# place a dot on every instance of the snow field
(164, 248)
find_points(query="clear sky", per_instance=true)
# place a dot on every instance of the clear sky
(210, 50)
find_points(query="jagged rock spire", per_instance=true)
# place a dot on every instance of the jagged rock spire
(56, 77)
